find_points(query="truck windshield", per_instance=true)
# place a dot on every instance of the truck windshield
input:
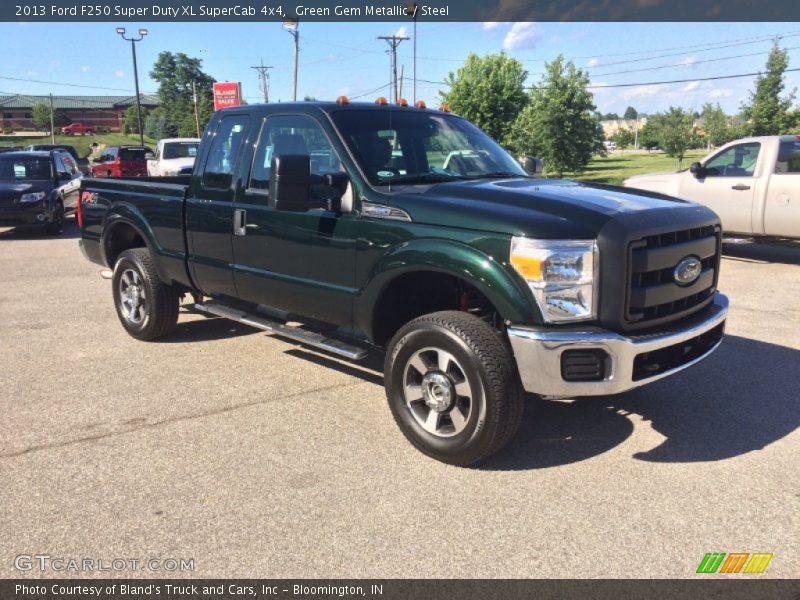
(12, 168)
(406, 146)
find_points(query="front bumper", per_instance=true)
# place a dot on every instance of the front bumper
(630, 361)
(22, 216)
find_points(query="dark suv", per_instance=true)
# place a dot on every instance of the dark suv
(38, 189)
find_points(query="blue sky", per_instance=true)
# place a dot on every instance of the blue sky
(346, 58)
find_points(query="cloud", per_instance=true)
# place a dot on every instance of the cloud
(642, 91)
(693, 85)
(119, 73)
(593, 62)
(721, 93)
(521, 36)
(487, 25)
(689, 61)
(84, 69)
(402, 32)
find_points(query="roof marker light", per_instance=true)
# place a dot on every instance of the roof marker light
(343, 100)
(445, 108)
(381, 101)
(421, 104)
(402, 102)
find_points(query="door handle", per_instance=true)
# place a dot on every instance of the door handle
(740, 187)
(239, 220)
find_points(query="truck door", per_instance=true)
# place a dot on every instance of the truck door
(299, 262)
(728, 187)
(209, 206)
(782, 205)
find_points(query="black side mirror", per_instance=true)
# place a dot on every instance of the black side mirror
(697, 170)
(532, 165)
(290, 182)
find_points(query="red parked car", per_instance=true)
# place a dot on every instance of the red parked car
(77, 129)
(121, 161)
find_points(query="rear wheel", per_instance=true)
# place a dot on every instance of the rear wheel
(452, 388)
(146, 306)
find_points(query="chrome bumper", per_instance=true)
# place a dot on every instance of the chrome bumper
(538, 353)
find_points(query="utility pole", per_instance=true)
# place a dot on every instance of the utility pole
(394, 41)
(132, 40)
(400, 84)
(263, 80)
(196, 114)
(292, 27)
(52, 123)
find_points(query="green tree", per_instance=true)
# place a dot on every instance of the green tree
(490, 92)
(559, 124)
(175, 74)
(649, 135)
(630, 114)
(610, 117)
(718, 131)
(131, 121)
(41, 116)
(623, 138)
(767, 113)
(156, 125)
(675, 132)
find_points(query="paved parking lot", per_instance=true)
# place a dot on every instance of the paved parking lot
(258, 458)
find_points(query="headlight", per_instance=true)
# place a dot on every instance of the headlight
(34, 197)
(561, 274)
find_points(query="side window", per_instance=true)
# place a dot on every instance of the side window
(60, 168)
(111, 154)
(70, 165)
(788, 157)
(736, 161)
(291, 134)
(221, 159)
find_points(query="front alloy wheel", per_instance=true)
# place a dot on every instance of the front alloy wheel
(437, 392)
(452, 387)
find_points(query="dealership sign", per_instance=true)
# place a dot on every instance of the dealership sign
(227, 94)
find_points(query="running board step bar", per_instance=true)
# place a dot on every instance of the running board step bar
(303, 336)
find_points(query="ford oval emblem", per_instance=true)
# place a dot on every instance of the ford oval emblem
(687, 270)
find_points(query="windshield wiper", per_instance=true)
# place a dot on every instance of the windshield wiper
(499, 175)
(422, 178)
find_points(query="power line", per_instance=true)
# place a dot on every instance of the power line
(76, 85)
(620, 85)
(394, 41)
(377, 89)
(688, 64)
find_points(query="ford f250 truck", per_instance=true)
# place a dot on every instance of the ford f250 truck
(338, 226)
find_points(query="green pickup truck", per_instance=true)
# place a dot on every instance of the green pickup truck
(356, 227)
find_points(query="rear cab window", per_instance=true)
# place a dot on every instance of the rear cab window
(788, 157)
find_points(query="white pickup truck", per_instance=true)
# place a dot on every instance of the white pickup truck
(172, 155)
(753, 184)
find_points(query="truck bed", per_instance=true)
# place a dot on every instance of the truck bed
(151, 208)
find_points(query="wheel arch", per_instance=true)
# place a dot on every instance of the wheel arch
(417, 265)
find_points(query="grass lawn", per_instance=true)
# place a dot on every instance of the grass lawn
(81, 143)
(617, 167)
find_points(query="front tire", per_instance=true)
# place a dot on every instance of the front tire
(452, 388)
(56, 225)
(146, 306)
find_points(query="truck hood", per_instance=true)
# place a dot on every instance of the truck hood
(533, 207)
(664, 183)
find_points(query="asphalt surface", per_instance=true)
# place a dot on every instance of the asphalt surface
(255, 457)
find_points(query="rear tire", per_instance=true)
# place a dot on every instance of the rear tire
(146, 306)
(452, 387)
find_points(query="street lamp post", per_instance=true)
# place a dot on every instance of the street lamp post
(292, 27)
(133, 40)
